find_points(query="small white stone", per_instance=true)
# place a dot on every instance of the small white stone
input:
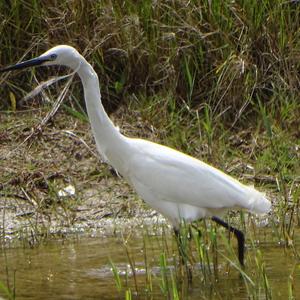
(67, 191)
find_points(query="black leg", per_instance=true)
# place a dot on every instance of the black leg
(239, 236)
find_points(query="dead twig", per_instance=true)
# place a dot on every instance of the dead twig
(38, 129)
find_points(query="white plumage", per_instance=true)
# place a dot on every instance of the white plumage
(180, 186)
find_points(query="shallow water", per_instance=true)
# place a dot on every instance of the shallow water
(79, 268)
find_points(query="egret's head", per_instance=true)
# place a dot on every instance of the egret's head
(60, 55)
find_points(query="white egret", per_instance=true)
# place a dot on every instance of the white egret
(175, 184)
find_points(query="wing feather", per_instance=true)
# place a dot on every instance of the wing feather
(180, 178)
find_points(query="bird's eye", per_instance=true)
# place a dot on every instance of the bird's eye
(53, 56)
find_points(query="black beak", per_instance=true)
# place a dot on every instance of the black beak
(25, 64)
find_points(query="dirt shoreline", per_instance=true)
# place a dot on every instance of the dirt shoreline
(34, 173)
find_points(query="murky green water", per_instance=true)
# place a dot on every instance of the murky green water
(80, 269)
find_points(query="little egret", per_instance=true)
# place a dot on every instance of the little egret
(175, 184)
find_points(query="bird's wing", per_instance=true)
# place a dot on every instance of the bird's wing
(176, 177)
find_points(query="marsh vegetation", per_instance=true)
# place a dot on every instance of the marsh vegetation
(215, 79)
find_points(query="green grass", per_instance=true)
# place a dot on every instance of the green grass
(224, 278)
(6, 291)
(224, 53)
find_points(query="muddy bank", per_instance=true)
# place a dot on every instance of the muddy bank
(53, 181)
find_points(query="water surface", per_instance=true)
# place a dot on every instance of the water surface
(79, 268)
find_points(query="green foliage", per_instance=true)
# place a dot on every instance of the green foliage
(116, 276)
(221, 52)
(6, 291)
(164, 274)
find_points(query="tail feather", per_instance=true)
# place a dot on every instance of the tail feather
(258, 203)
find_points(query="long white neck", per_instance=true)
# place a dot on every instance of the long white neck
(111, 144)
